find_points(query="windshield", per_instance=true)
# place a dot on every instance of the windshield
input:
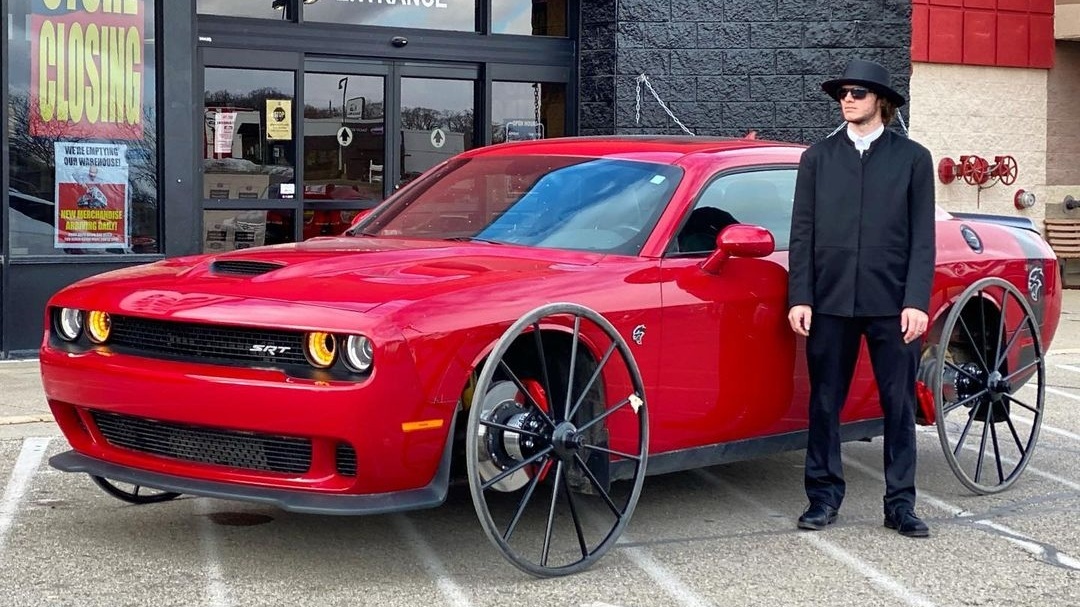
(562, 202)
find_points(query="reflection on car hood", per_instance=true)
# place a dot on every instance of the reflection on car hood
(354, 274)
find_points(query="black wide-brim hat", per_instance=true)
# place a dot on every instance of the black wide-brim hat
(865, 73)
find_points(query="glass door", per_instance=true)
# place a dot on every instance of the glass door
(437, 117)
(345, 146)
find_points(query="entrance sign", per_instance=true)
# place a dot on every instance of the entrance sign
(438, 138)
(344, 136)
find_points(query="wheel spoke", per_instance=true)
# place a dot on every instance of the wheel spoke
(967, 428)
(1016, 437)
(551, 514)
(1017, 401)
(544, 367)
(573, 366)
(1023, 369)
(1012, 341)
(604, 415)
(498, 426)
(997, 452)
(971, 340)
(577, 521)
(521, 388)
(636, 458)
(1001, 328)
(596, 484)
(524, 503)
(982, 443)
(592, 380)
(960, 403)
(505, 473)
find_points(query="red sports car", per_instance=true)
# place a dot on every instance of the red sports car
(539, 319)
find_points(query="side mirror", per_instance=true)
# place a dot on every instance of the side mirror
(739, 240)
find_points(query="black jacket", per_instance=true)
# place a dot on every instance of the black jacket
(862, 229)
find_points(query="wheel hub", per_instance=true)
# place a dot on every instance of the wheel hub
(960, 386)
(500, 449)
(567, 440)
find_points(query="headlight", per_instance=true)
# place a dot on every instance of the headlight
(69, 324)
(98, 326)
(359, 353)
(320, 349)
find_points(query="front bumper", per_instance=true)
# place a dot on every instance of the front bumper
(294, 501)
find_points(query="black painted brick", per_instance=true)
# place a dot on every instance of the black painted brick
(830, 34)
(723, 35)
(667, 87)
(597, 36)
(703, 62)
(750, 10)
(651, 62)
(696, 10)
(799, 10)
(643, 10)
(749, 114)
(753, 62)
(598, 89)
(657, 35)
(881, 33)
(775, 88)
(795, 114)
(723, 88)
(781, 34)
(597, 11)
(856, 9)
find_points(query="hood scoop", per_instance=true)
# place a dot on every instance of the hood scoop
(233, 267)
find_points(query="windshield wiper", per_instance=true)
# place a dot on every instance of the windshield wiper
(473, 239)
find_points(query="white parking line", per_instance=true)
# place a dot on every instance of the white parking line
(450, 590)
(670, 582)
(1028, 544)
(30, 456)
(1072, 368)
(1045, 427)
(216, 588)
(877, 578)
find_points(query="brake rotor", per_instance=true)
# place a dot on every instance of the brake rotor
(498, 449)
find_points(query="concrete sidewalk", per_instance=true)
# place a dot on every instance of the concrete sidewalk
(22, 400)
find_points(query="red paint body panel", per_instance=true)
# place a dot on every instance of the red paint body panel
(718, 359)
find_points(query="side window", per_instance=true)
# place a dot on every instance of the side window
(762, 198)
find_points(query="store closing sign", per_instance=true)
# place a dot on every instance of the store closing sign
(86, 72)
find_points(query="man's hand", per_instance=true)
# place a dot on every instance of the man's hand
(912, 323)
(799, 317)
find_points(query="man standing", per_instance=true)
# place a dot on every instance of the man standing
(862, 264)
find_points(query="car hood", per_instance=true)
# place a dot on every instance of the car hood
(354, 274)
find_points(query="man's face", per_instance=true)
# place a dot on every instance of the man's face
(858, 111)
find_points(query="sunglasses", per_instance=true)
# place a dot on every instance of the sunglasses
(857, 92)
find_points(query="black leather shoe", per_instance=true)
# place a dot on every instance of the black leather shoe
(907, 523)
(817, 517)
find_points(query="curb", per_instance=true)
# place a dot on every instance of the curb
(24, 419)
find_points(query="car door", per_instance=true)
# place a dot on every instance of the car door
(727, 353)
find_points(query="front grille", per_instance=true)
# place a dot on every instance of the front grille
(156, 338)
(345, 458)
(194, 444)
(243, 268)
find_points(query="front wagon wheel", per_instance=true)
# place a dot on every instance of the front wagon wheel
(548, 433)
(990, 348)
(134, 494)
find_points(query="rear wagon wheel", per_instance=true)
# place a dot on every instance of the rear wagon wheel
(988, 428)
(540, 446)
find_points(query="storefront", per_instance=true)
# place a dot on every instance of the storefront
(141, 129)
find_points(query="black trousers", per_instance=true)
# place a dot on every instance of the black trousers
(832, 350)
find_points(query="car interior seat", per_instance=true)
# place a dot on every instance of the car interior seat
(701, 229)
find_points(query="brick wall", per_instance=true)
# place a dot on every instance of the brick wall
(1063, 117)
(728, 66)
(986, 111)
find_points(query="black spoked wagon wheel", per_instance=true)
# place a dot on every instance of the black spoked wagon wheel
(132, 493)
(989, 349)
(557, 440)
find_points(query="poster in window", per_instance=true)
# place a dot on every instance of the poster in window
(92, 198)
(279, 119)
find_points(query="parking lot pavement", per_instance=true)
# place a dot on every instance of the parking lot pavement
(718, 536)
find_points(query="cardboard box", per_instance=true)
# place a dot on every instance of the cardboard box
(230, 230)
(231, 186)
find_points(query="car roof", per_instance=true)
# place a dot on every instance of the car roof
(628, 146)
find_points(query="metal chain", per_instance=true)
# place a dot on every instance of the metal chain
(643, 79)
(536, 108)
